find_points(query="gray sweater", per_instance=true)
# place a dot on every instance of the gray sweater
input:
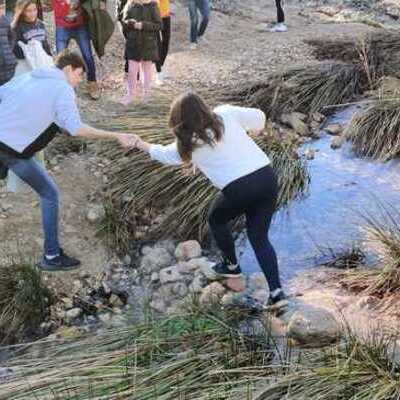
(8, 61)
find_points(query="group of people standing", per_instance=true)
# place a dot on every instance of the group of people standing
(205, 138)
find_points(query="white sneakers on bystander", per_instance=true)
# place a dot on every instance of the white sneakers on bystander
(280, 27)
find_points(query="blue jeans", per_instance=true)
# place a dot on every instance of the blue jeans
(43, 184)
(204, 7)
(82, 38)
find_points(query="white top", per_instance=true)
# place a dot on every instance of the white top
(233, 157)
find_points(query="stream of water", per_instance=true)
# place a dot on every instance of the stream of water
(342, 188)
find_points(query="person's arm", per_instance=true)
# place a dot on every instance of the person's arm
(68, 118)
(251, 119)
(17, 48)
(168, 155)
(45, 43)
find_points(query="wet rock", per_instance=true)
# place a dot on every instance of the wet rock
(309, 154)
(296, 122)
(212, 294)
(170, 274)
(337, 142)
(235, 284)
(187, 250)
(95, 213)
(313, 326)
(334, 129)
(155, 259)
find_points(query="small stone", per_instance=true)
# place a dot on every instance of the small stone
(199, 282)
(72, 314)
(318, 117)
(155, 259)
(158, 305)
(180, 289)
(235, 284)
(68, 303)
(296, 122)
(105, 318)
(334, 129)
(127, 260)
(170, 274)
(154, 277)
(212, 294)
(309, 154)
(115, 301)
(95, 213)
(337, 142)
(207, 270)
(187, 250)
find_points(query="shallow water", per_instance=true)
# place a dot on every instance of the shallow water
(342, 186)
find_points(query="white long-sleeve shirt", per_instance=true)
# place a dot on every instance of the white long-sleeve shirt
(234, 156)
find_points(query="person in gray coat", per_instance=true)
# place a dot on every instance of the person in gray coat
(8, 61)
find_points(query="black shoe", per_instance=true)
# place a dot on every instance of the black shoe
(60, 263)
(225, 269)
(277, 302)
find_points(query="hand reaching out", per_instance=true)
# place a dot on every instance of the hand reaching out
(128, 141)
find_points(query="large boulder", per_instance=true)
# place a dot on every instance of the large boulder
(187, 250)
(312, 326)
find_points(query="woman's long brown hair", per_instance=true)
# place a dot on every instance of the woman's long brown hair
(20, 8)
(194, 124)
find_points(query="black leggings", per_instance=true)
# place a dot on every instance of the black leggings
(254, 196)
(163, 42)
(279, 10)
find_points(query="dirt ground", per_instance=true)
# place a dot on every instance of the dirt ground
(235, 47)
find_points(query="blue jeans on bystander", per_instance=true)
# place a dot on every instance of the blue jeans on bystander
(204, 7)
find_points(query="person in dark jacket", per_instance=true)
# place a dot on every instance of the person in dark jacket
(8, 61)
(27, 26)
(142, 22)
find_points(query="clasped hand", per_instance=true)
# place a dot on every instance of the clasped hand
(128, 141)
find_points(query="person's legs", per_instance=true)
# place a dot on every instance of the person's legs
(194, 21)
(132, 81)
(204, 7)
(82, 37)
(63, 36)
(279, 11)
(258, 222)
(222, 211)
(41, 182)
(147, 77)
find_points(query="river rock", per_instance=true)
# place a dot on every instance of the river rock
(205, 267)
(337, 142)
(6, 374)
(198, 283)
(235, 284)
(309, 154)
(212, 294)
(318, 117)
(170, 274)
(334, 129)
(296, 122)
(95, 213)
(155, 259)
(187, 250)
(158, 305)
(261, 295)
(313, 326)
(180, 289)
(72, 314)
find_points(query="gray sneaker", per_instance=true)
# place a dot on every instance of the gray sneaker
(60, 263)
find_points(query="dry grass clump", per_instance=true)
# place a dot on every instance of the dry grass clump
(306, 89)
(357, 369)
(381, 50)
(384, 236)
(24, 300)
(346, 258)
(195, 355)
(375, 131)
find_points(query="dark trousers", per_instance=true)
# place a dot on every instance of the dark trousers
(254, 196)
(280, 14)
(163, 40)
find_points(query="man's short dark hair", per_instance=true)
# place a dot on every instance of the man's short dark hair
(66, 58)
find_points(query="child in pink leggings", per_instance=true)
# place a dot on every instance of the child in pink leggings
(142, 23)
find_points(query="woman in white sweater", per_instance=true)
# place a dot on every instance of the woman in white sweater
(217, 143)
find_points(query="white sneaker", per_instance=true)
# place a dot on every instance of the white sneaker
(281, 27)
(193, 46)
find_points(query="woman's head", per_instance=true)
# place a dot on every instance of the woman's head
(25, 11)
(194, 123)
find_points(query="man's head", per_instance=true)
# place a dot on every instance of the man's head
(2, 7)
(72, 65)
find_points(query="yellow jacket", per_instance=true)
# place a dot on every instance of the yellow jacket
(164, 8)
